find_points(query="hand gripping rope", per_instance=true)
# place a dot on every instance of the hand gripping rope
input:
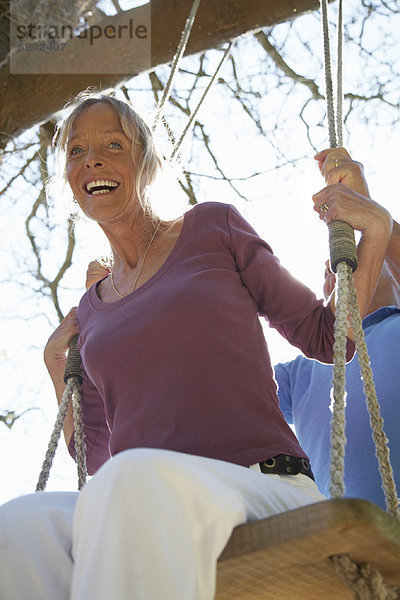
(73, 381)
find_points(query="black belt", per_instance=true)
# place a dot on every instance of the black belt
(283, 464)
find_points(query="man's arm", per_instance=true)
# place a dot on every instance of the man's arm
(392, 258)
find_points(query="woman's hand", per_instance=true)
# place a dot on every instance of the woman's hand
(346, 197)
(337, 202)
(337, 166)
(55, 352)
(95, 272)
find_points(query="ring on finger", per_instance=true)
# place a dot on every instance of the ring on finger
(324, 208)
(337, 163)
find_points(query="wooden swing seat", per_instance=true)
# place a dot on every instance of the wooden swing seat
(287, 556)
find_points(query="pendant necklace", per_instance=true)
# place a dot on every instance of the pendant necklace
(140, 268)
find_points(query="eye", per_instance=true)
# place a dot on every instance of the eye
(75, 150)
(115, 145)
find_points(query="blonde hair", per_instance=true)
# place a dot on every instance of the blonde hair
(135, 129)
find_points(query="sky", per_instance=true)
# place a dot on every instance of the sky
(277, 203)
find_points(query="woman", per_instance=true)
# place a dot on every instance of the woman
(177, 381)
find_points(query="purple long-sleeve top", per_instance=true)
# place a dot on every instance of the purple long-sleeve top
(182, 363)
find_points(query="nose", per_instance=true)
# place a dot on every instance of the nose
(94, 158)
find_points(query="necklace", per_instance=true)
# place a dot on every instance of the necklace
(140, 268)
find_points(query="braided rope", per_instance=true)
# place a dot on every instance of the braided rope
(201, 101)
(365, 581)
(339, 77)
(342, 245)
(53, 443)
(175, 61)
(174, 68)
(79, 434)
(338, 392)
(380, 439)
(72, 392)
(73, 364)
(328, 76)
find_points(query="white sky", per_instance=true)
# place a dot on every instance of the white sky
(278, 205)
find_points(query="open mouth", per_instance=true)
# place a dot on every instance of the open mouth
(101, 186)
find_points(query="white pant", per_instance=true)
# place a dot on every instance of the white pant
(149, 525)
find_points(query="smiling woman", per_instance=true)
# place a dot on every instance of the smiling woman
(177, 384)
(101, 159)
(111, 163)
(125, 123)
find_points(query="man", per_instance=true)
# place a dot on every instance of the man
(305, 386)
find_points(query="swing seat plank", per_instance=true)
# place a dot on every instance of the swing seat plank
(287, 556)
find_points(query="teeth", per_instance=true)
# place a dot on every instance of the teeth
(95, 192)
(101, 183)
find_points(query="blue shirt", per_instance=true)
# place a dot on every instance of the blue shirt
(304, 396)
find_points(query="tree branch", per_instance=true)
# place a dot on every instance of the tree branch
(280, 63)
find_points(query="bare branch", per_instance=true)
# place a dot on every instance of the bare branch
(207, 144)
(20, 172)
(54, 285)
(284, 67)
(40, 202)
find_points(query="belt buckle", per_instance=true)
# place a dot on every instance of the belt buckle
(291, 464)
(284, 464)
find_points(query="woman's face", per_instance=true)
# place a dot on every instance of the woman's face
(100, 169)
